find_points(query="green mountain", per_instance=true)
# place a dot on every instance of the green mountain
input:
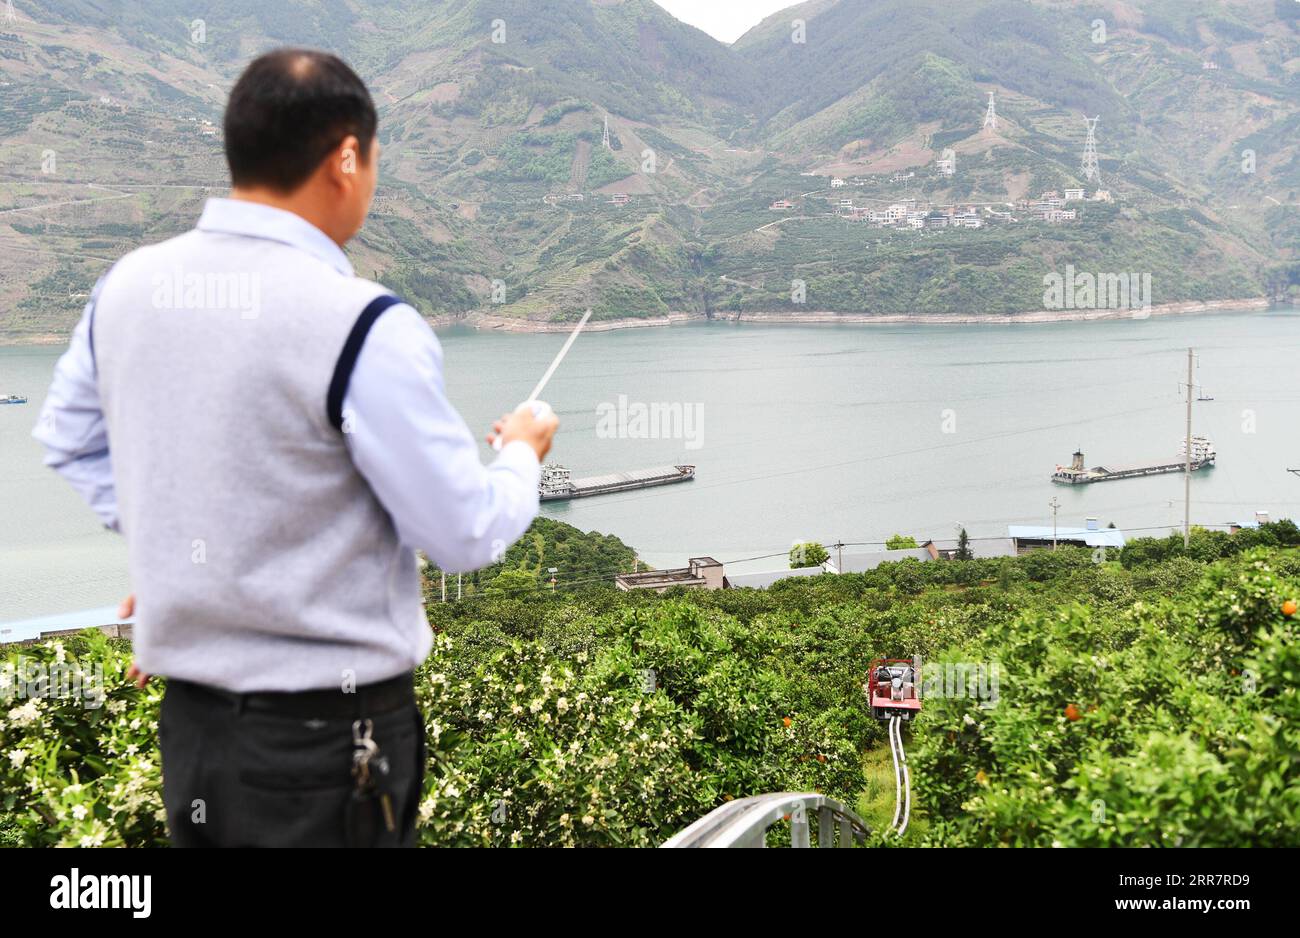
(493, 117)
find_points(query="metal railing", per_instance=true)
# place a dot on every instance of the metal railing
(746, 821)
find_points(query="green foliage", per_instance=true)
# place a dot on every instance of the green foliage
(669, 716)
(536, 157)
(963, 546)
(1205, 545)
(80, 764)
(568, 106)
(901, 542)
(808, 554)
(1150, 704)
(1163, 724)
(578, 556)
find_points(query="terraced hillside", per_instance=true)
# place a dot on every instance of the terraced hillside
(500, 201)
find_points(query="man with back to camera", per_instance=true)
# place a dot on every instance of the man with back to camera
(281, 442)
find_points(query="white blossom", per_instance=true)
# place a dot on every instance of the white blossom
(27, 713)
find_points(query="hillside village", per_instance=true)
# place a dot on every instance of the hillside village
(1050, 207)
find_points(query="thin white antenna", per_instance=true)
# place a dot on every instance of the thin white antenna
(539, 407)
(568, 344)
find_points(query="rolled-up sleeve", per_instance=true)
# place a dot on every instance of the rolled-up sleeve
(71, 426)
(422, 461)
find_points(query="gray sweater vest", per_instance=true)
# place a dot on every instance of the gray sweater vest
(259, 556)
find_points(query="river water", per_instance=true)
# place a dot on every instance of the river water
(828, 433)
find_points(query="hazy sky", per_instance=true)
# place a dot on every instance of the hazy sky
(723, 19)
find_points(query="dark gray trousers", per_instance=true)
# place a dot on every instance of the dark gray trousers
(275, 770)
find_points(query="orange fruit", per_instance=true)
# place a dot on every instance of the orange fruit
(1072, 712)
(821, 758)
(1289, 607)
(786, 720)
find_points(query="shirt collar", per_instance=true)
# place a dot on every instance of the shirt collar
(254, 220)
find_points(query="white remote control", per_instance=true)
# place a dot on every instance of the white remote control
(540, 409)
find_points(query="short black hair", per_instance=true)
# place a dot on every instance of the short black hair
(288, 110)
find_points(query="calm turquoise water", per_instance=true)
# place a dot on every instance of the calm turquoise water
(806, 433)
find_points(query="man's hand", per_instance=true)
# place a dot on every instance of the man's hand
(522, 425)
(125, 611)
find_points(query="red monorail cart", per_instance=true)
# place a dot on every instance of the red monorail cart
(894, 687)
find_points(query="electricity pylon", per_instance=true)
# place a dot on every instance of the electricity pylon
(1091, 170)
(991, 115)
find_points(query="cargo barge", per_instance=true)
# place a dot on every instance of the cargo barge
(1203, 455)
(557, 482)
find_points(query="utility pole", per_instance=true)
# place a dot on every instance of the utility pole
(1054, 504)
(1187, 464)
(444, 585)
(458, 594)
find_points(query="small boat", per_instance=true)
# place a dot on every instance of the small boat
(13, 399)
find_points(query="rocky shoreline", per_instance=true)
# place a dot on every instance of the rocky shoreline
(490, 322)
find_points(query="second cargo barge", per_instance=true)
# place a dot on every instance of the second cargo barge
(557, 482)
(1203, 455)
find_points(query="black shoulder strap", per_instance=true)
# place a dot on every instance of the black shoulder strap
(348, 357)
